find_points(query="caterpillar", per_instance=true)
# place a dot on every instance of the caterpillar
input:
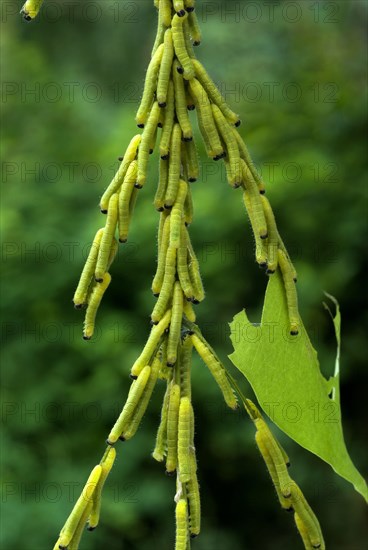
(165, 9)
(146, 144)
(257, 206)
(189, 100)
(224, 128)
(165, 69)
(74, 543)
(180, 46)
(129, 156)
(194, 29)
(192, 161)
(179, 7)
(194, 273)
(160, 272)
(134, 396)
(175, 325)
(188, 208)
(93, 305)
(168, 123)
(177, 214)
(189, 5)
(159, 199)
(174, 167)
(172, 429)
(31, 9)
(125, 201)
(217, 371)
(85, 498)
(80, 295)
(181, 104)
(182, 266)
(194, 500)
(181, 514)
(159, 452)
(151, 344)
(161, 28)
(283, 248)
(261, 245)
(213, 92)
(273, 236)
(113, 252)
(184, 439)
(186, 350)
(149, 89)
(307, 517)
(189, 311)
(107, 238)
(244, 153)
(290, 291)
(188, 42)
(106, 464)
(167, 285)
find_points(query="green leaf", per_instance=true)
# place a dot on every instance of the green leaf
(284, 373)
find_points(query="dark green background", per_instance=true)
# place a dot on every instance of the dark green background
(61, 394)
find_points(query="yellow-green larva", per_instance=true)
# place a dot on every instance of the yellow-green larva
(159, 200)
(175, 325)
(179, 7)
(194, 273)
(172, 429)
(194, 29)
(180, 46)
(184, 439)
(161, 260)
(174, 167)
(255, 198)
(134, 396)
(189, 5)
(167, 286)
(166, 9)
(182, 266)
(194, 500)
(188, 311)
(80, 295)
(93, 305)
(181, 514)
(150, 86)
(261, 244)
(217, 370)
(303, 532)
(85, 498)
(273, 236)
(232, 150)
(188, 42)
(159, 452)
(124, 206)
(213, 92)
(306, 515)
(290, 291)
(186, 351)
(151, 344)
(283, 248)
(181, 104)
(146, 144)
(168, 123)
(31, 9)
(188, 208)
(129, 156)
(244, 153)
(106, 464)
(177, 215)
(192, 161)
(161, 28)
(165, 69)
(205, 116)
(107, 238)
(189, 100)
(74, 543)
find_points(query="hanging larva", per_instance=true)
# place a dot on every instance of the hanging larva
(213, 92)
(188, 208)
(166, 8)
(186, 351)
(146, 144)
(150, 86)
(167, 286)
(182, 266)
(80, 295)
(188, 42)
(74, 543)
(261, 244)
(306, 515)
(106, 464)
(161, 260)
(180, 46)
(232, 149)
(189, 100)
(194, 273)
(244, 153)
(290, 291)
(181, 514)
(303, 532)
(159, 199)
(217, 371)
(179, 7)
(189, 311)
(168, 123)
(151, 344)
(255, 198)
(172, 429)
(177, 215)
(159, 452)
(194, 29)
(124, 206)
(194, 500)
(273, 236)
(174, 167)
(93, 305)
(165, 69)
(175, 325)
(184, 439)
(134, 396)
(161, 28)
(192, 161)
(129, 156)
(181, 104)
(189, 5)
(86, 496)
(107, 238)
(31, 9)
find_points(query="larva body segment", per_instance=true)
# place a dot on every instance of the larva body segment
(217, 371)
(261, 244)
(151, 344)
(159, 200)
(307, 517)
(106, 464)
(146, 145)
(224, 128)
(273, 236)
(177, 215)
(182, 266)
(167, 286)
(129, 156)
(290, 291)
(80, 295)
(184, 439)
(174, 167)
(107, 238)
(134, 396)
(175, 325)
(93, 305)
(165, 69)
(164, 243)
(160, 449)
(172, 429)
(180, 46)
(124, 204)
(181, 104)
(31, 9)
(80, 506)
(213, 92)
(168, 123)
(150, 86)
(181, 514)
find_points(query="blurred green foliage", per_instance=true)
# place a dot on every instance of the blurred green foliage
(71, 81)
